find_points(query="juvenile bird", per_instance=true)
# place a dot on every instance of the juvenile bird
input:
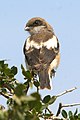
(41, 50)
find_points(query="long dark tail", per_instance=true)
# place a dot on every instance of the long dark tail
(44, 79)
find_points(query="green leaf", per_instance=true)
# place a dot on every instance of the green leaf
(1, 83)
(17, 99)
(20, 116)
(47, 115)
(2, 107)
(27, 73)
(33, 112)
(70, 114)
(38, 106)
(76, 117)
(1, 64)
(44, 107)
(64, 113)
(9, 101)
(19, 90)
(14, 70)
(46, 99)
(32, 104)
(22, 67)
(36, 95)
(79, 116)
(2, 115)
(23, 70)
(5, 66)
(52, 100)
(29, 116)
(7, 71)
(35, 104)
(4, 90)
(36, 83)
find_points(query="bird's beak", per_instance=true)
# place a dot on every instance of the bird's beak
(27, 28)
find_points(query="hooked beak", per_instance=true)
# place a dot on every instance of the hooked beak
(27, 28)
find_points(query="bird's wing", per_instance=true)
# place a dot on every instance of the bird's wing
(32, 57)
(41, 55)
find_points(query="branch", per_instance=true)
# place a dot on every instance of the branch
(49, 111)
(66, 91)
(59, 109)
(7, 86)
(54, 118)
(2, 107)
(71, 105)
(27, 88)
(6, 96)
(66, 105)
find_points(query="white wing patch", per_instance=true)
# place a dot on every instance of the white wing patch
(32, 44)
(27, 46)
(51, 43)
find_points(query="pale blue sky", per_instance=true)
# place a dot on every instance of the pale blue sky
(64, 16)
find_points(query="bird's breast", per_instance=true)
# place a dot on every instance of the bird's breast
(50, 43)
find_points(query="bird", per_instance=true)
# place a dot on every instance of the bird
(41, 50)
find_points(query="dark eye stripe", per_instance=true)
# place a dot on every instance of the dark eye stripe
(35, 23)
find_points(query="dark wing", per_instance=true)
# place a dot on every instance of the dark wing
(39, 59)
(46, 55)
(32, 56)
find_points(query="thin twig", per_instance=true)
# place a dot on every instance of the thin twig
(37, 89)
(6, 96)
(27, 88)
(66, 91)
(2, 107)
(6, 86)
(49, 111)
(71, 105)
(59, 109)
(53, 118)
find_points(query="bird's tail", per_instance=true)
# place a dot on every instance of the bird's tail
(44, 79)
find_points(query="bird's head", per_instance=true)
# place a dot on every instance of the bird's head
(37, 24)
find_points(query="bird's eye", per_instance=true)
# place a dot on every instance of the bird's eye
(37, 22)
